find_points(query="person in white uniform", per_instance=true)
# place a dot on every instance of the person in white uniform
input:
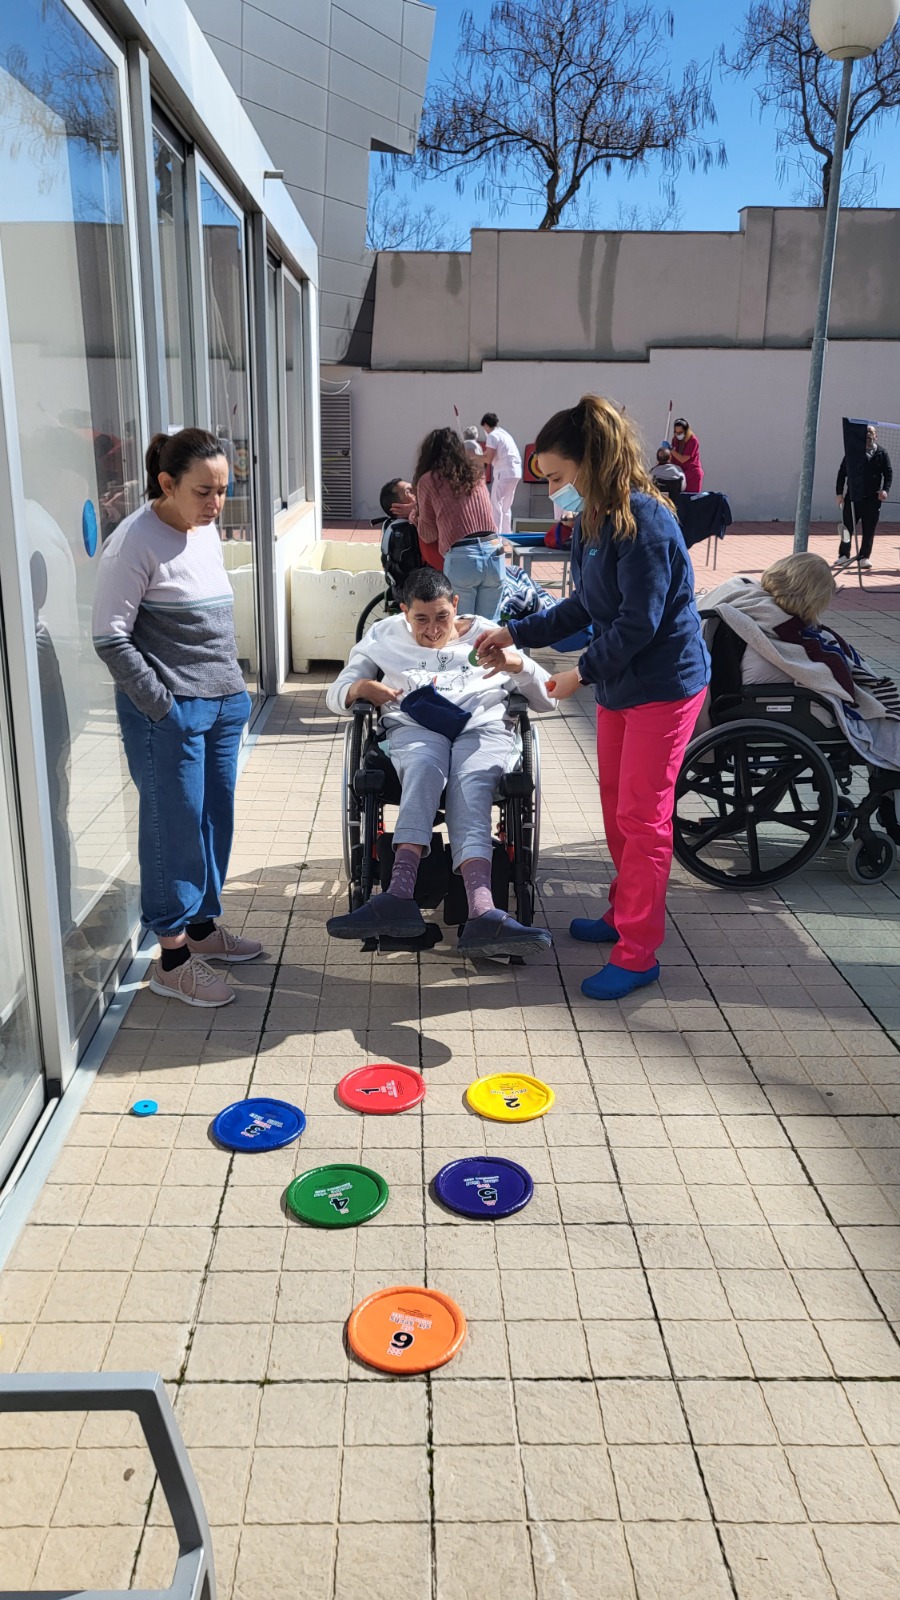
(501, 453)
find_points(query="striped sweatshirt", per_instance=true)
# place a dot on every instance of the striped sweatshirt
(443, 518)
(163, 617)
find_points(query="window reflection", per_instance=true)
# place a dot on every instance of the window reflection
(229, 390)
(66, 270)
(172, 230)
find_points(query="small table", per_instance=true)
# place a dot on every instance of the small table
(530, 547)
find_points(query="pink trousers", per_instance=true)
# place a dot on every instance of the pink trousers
(639, 755)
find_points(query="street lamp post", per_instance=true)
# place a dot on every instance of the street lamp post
(845, 30)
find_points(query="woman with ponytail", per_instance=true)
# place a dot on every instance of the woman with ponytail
(647, 665)
(163, 625)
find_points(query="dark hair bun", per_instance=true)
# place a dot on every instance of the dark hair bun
(174, 452)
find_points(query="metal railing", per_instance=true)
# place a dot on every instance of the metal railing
(143, 1393)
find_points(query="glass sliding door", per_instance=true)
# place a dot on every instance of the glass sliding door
(273, 376)
(174, 259)
(228, 372)
(67, 274)
(21, 1070)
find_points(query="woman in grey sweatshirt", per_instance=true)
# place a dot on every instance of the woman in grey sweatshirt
(163, 624)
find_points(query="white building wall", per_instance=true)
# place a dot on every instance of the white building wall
(746, 407)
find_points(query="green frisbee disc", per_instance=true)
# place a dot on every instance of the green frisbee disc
(340, 1195)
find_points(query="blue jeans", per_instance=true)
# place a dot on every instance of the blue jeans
(476, 573)
(185, 770)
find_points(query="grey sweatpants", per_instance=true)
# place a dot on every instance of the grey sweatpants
(469, 768)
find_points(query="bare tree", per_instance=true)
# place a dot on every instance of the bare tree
(802, 87)
(547, 93)
(661, 218)
(394, 223)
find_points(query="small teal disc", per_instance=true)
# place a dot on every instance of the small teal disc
(145, 1108)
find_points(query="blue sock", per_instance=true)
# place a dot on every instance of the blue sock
(614, 983)
(593, 932)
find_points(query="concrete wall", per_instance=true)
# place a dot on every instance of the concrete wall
(746, 407)
(616, 296)
(326, 82)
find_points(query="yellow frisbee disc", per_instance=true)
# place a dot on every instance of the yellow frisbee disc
(510, 1097)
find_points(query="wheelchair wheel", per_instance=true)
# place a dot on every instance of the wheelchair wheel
(354, 743)
(870, 860)
(531, 763)
(755, 801)
(375, 610)
(523, 822)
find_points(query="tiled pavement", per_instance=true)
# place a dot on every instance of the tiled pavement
(682, 1378)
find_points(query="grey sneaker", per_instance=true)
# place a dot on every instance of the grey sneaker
(220, 945)
(193, 982)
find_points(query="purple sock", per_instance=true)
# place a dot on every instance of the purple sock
(405, 872)
(476, 876)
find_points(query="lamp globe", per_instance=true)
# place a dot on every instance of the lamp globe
(850, 29)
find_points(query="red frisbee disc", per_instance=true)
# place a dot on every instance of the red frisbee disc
(382, 1090)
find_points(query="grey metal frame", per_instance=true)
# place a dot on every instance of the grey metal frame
(143, 1393)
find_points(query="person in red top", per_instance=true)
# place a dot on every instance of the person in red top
(686, 455)
(454, 512)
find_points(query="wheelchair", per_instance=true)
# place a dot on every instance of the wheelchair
(370, 785)
(773, 782)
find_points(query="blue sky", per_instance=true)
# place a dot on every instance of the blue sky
(707, 200)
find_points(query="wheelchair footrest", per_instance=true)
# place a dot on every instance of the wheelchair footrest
(385, 943)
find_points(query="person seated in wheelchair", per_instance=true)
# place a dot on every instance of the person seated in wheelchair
(778, 621)
(401, 549)
(447, 725)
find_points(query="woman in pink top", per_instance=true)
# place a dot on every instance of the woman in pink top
(686, 454)
(453, 511)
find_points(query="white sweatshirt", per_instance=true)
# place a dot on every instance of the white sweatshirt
(389, 648)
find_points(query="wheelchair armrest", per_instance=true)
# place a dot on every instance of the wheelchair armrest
(774, 691)
(364, 708)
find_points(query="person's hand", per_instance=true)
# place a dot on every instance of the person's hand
(497, 661)
(402, 508)
(882, 494)
(494, 639)
(840, 499)
(371, 689)
(564, 685)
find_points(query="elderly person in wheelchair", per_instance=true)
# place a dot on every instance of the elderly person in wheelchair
(447, 726)
(799, 744)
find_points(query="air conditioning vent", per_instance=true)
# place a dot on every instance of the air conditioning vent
(337, 457)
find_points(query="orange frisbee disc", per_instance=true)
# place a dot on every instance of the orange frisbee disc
(406, 1329)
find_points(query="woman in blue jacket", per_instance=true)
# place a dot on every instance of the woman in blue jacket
(647, 664)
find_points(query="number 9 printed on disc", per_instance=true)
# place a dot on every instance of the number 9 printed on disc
(406, 1329)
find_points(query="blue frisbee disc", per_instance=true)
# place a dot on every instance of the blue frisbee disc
(484, 1186)
(145, 1108)
(258, 1125)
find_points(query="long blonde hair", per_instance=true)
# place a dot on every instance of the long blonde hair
(604, 444)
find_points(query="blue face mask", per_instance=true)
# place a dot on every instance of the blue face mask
(567, 499)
